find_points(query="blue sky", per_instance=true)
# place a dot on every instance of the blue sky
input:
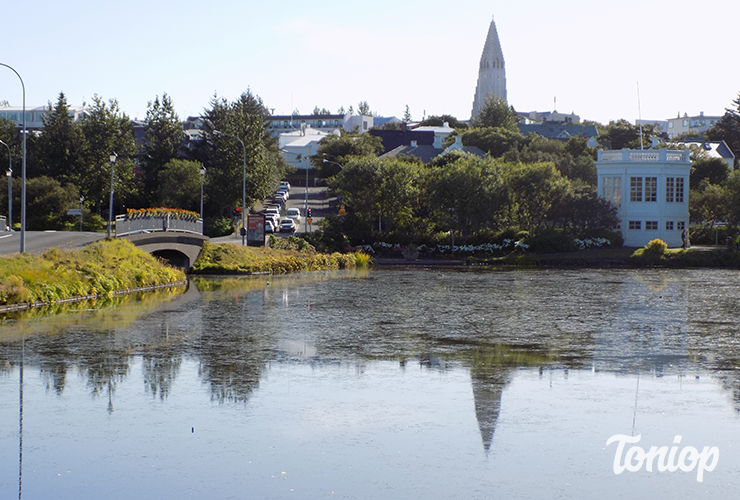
(587, 54)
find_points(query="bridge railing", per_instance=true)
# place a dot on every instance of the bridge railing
(126, 225)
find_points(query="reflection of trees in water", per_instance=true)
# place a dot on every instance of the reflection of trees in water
(160, 367)
(53, 359)
(232, 370)
(103, 364)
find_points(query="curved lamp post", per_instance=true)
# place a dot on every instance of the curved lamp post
(244, 183)
(110, 206)
(23, 167)
(202, 176)
(9, 173)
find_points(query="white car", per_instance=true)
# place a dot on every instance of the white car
(287, 226)
(285, 185)
(269, 226)
(295, 214)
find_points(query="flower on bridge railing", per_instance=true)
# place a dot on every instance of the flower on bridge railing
(177, 213)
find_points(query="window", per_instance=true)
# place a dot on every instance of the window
(670, 189)
(651, 225)
(635, 224)
(612, 190)
(680, 225)
(635, 188)
(670, 124)
(669, 225)
(679, 189)
(685, 123)
(651, 189)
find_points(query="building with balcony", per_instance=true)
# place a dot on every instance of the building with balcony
(650, 188)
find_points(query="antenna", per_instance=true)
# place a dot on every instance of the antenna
(639, 113)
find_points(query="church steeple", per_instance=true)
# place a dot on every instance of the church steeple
(491, 72)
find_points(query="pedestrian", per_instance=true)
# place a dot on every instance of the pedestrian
(737, 242)
(684, 238)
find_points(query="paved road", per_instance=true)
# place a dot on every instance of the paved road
(38, 241)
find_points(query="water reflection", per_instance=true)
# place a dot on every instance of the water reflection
(492, 325)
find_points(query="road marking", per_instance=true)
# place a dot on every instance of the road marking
(6, 236)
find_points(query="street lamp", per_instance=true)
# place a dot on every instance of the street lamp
(23, 168)
(244, 183)
(9, 173)
(202, 176)
(110, 206)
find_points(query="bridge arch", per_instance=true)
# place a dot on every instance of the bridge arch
(179, 249)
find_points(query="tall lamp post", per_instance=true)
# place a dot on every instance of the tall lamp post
(244, 183)
(202, 176)
(23, 167)
(110, 205)
(9, 173)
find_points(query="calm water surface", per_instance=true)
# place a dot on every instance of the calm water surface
(376, 385)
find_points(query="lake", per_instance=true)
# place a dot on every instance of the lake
(382, 384)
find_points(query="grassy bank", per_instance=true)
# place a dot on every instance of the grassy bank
(100, 269)
(226, 258)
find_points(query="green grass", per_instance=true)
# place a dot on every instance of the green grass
(99, 269)
(225, 258)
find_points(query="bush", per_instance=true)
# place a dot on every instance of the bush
(218, 226)
(708, 235)
(551, 242)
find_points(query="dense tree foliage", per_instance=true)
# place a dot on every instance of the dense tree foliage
(728, 129)
(338, 149)
(163, 135)
(496, 112)
(224, 156)
(438, 121)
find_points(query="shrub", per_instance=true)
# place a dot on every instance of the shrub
(551, 242)
(656, 247)
(218, 226)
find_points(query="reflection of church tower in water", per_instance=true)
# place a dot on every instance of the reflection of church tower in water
(491, 72)
(488, 385)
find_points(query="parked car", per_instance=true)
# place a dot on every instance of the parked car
(269, 226)
(295, 214)
(287, 226)
(285, 184)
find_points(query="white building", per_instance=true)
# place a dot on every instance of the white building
(280, 124)
(35, 116)
(651, 190)
(297, 147)
(695, 125)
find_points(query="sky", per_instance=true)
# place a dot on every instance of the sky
(601, 60)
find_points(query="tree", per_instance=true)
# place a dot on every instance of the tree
(407, 115)
(223, 155)
(496, 112)
(495, 141)
(108, 130)
(339, 149)
(535, 188)
(438, 121)
(467, 194)
(163, 135)
(179, 185)
(728, 129)
(62, 148)
(47, 203)
(363, 108)
(714, 170)
(622, 134)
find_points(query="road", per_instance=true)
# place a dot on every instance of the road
(38, 242)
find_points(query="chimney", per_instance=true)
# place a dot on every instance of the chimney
(458, 142)
(414, 144)
(438, 141)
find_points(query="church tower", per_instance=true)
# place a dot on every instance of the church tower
(492, 71)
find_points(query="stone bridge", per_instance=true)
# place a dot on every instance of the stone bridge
(179, 249)
(177, 241)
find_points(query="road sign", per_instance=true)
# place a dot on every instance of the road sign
(74, 211)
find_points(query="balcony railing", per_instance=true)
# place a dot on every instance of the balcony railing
(645, 156)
